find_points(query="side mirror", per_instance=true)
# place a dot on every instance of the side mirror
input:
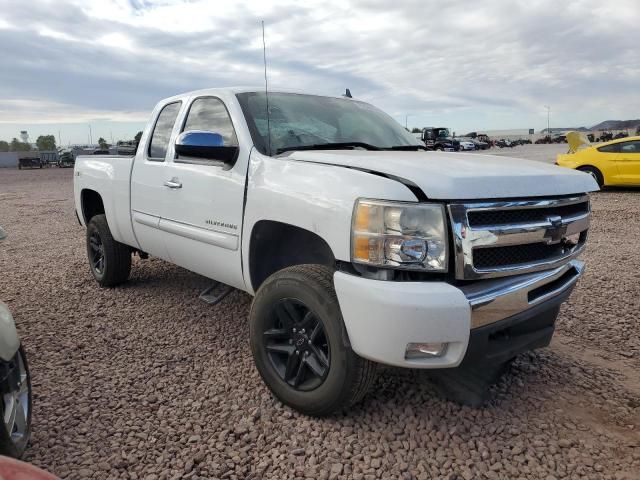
(205, 145)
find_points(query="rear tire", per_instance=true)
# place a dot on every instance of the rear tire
(315, 374)
(109, 260)
(595, 173)
(13, 442)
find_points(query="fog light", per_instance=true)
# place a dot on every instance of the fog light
(416, 351)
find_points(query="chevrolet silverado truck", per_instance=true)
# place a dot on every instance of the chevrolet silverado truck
(359, 247)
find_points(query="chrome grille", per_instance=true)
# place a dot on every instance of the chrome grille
(493, 239)
(478, 218)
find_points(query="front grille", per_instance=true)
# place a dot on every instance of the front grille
(485, 258)
(494, 239)
(530, 215)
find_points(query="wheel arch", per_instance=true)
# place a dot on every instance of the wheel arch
(91, 203)
(597, 169)
(276, 245)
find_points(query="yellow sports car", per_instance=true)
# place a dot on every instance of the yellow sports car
(610, 163)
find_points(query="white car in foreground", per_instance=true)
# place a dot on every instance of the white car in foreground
(15, 387)
(360, 247)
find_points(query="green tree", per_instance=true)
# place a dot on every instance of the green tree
(416, 130)
(4, 146)
(138, 137)
(103, 143)
(46, 142)
(18, 146)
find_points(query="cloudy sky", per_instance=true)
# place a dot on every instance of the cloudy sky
(469, 65)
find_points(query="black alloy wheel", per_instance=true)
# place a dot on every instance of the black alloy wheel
(110, 260)
(300, 344)
(297, 345)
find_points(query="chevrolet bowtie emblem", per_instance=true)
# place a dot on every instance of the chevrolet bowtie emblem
(557, 231)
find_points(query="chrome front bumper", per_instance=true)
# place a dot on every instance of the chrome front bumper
(497, 299)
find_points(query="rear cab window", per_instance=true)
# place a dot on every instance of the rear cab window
(161, 134)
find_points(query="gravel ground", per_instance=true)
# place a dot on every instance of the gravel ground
(147, 382)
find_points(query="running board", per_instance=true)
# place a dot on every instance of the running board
(215, 293)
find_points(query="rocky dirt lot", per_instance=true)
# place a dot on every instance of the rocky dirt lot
(147, 382)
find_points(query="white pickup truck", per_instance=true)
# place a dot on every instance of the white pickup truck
(359, 247)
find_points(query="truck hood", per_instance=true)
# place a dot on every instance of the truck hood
(449, 176)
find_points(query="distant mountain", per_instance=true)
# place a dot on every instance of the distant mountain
(566, 129)
(617, 125)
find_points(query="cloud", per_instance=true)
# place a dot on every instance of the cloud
(489, 61)
(46, 112)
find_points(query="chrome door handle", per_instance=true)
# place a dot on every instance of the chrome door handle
(173, 183)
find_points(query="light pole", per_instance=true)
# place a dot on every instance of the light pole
(548, 114)
(90, 136)
(406, 120)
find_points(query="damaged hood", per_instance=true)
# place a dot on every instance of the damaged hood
(449, 176)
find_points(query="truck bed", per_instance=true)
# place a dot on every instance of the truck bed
(110, 176)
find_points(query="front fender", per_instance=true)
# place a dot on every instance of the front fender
(316, 197)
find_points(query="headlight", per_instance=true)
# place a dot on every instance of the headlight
(402, 235)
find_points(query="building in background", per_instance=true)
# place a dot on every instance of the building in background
(8, 159)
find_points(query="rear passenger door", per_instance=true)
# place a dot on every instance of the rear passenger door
(148, 178)
(202, 215)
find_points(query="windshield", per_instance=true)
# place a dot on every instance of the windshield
(309, 120)
(443, 133)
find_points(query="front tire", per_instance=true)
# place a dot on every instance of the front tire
(300, 344)
(595, 173)
(15, 408)
(109, 260)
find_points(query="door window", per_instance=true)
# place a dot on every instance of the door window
(210, 115)
(615, 148)
(630, 147)
(162, 132)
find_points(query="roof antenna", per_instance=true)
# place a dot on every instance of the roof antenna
(266, 89)
(347, 94)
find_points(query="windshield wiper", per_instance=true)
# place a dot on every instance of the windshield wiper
(410, 148)
(329, 146)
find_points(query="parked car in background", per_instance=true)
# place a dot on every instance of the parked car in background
(465, 144)
(480, 145)
(15, 387)
(31, 161)
(360, 248)
(481, 141)
(66, 159)
(439, 138)
(126, 149)
(616, 162)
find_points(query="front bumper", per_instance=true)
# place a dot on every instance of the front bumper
(382, 317)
